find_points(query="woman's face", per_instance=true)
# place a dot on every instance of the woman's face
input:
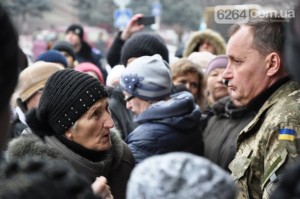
(215, 88)
(92, 129)
(190, 81)
(134, 104)
(207, 46)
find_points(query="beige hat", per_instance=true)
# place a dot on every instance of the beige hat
(33, 78)
(202, 59)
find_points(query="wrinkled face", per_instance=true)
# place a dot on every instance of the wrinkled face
(191, 82)
(207, 46)
(92, 129)
(214, 86)
(73, 39)
(247, 68)
(134, 104)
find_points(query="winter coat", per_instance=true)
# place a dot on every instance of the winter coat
(167, 126)
(207, 35)
(116, 165)
(222, 130)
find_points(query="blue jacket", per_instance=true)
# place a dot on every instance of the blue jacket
(167, 126)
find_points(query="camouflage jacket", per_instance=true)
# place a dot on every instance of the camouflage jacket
(268, 144)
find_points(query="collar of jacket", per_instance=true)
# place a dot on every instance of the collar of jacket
(256, 103)
(225, 108)
(94, 156)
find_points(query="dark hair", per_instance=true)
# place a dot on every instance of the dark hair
(41, 179)
(268, 33)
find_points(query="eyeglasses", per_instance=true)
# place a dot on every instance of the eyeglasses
(127, 99)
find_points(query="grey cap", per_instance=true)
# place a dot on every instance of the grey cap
(148, 78)
(179, 175)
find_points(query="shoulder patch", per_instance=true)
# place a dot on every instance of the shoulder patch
(286, 134)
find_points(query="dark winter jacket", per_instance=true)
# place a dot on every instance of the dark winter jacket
(115, 164)
(167, 126)
(221, 132)
(123, 118)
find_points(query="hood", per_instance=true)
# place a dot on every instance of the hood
(214, 37)
(180, 112)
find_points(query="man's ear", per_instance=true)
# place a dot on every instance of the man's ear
(273, 62)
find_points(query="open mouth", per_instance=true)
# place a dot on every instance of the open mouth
(105, 138)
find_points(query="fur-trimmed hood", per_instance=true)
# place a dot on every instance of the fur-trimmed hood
(30, 145)
(198, 37)
(116, 165)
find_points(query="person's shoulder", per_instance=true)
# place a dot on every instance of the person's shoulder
(22, 146)
(288, 91)
(121, 151)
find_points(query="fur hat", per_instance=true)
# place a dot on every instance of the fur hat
(77, 29)
(8, 60)
(67, 95)
(179, 175)
(90, 67)
(142, 44)
(220, 61)
(33, 78)
(148, 78)
(199, 37)
(53, 56)
(64, 46)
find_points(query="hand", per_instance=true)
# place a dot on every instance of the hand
(101, 188)
(132, 27)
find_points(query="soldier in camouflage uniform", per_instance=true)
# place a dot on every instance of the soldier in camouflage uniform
(256, 78)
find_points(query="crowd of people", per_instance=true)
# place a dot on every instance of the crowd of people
(222, 120)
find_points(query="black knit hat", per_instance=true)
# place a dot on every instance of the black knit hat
(8, 60)
(77, 29)
(67, 95)
(141, 44)
(64, 46)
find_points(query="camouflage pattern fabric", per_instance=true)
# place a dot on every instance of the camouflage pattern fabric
(268, 144)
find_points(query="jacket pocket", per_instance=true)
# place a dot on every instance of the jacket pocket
(240, 164)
